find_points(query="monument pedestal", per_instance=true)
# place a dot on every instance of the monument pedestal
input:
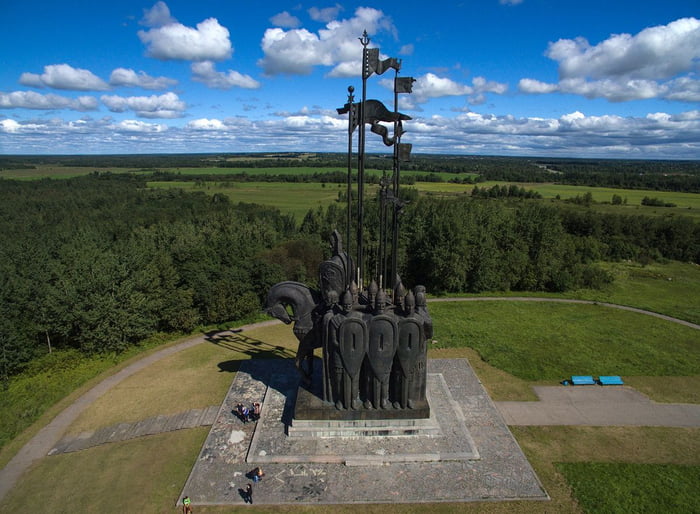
(310, 406)
(474, 457)
(315, 418)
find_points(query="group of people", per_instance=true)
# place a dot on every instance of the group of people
(248, 414)
(245, 414)
(255, 475)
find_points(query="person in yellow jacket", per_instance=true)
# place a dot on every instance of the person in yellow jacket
(186, 507)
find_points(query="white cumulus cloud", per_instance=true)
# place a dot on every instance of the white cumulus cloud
(167, 105)
(431, 85)
(139, 126)
(208, 42)
(655, 53)
(129, 78)
(33, 100)
(657, 135)
(64, 76)
(658, 62)
(536, 86)
(285, 20)
(206, 124)
(326, 14)
(9, 126)
(157, 16)
(205, 73)
(298, 51)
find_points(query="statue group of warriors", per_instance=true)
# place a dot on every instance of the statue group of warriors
(374, 347)
(374, 350)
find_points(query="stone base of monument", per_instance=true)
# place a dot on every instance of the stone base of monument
(315, 418)
(310, 406)
(301, 428)
(462, 452)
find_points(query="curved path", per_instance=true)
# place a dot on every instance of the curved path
(42, 443)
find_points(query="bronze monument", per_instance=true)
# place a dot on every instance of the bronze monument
(372, 335)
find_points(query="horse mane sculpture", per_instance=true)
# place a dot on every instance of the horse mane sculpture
(303, 302)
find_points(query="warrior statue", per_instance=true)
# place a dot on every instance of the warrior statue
(372, 333)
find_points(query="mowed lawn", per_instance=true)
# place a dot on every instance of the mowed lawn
(522, 343)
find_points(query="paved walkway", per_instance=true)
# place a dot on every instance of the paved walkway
(125, 431)
(46, 439)
(598, 406)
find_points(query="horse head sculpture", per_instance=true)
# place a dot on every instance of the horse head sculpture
(303, 302)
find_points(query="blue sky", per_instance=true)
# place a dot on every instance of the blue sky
(494, 77)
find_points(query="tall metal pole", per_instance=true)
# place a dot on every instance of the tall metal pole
(383, 229)
(361, 161)
(397, 168)
(351, 99)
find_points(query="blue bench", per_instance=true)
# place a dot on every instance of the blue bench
(582, 380)
(610, 380)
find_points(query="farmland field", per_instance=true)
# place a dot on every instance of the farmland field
(283, 195)
(600, 194)
(289, 197)
(55, 171)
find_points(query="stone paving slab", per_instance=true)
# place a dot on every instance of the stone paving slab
(598, 406)
(124, 431)
(449, 441)
(334, 470)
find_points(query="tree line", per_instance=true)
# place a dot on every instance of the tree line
(101, 262)
(679, 176)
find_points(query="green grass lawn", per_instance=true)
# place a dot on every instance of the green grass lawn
(624, 488)
(669, 288)
(549, 341)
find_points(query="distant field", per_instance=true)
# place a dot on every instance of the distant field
(600, 194)
(687, 204)
(297, 198)
(289, 197)
(53, 171)
(300, 170)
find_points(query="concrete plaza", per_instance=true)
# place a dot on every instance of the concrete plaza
(464, 452)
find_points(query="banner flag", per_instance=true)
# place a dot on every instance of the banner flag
(374, 65)
(354, 110)
(384, 65)
(372, 62)
(405, 151)
(403, 84)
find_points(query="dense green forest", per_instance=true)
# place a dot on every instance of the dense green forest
(100, 262)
